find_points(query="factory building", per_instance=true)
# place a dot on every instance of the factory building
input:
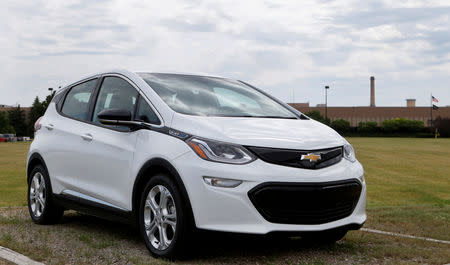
(355, 115)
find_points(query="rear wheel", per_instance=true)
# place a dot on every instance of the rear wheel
(40, 204)
(163, 218)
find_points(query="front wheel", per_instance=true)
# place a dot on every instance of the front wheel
(163, 218)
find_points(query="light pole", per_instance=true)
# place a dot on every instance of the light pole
(326, 103)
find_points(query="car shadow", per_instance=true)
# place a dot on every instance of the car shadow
(210, 246)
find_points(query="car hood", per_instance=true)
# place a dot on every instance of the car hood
(267, 132)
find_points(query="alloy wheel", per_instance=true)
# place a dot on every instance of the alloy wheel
(37, 194)
(160, 217)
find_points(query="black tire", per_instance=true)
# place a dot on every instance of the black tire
(325, 237)
(176, 249)
(51, 213)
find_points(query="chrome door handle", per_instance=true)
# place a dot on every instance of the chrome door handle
(49, 126)
(87, 137)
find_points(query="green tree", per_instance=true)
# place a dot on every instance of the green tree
(36, 111)
(47, 100)
(5, 126)
(402, 125)
(315, 115)
(17, 120)
(367, 127)
(341, 126)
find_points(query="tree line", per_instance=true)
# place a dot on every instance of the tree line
(394, 127)
(15, 121)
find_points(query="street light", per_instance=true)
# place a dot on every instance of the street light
(326, 103)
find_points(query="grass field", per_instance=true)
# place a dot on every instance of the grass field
(13, 159)
(408, 192)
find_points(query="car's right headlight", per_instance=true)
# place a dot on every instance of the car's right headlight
(220, 152)
(349, 152)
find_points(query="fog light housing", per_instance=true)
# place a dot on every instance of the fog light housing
(223, 183)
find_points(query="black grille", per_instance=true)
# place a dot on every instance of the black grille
(293, 158)
(306, 203)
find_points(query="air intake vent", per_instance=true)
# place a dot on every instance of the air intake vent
(306, 203)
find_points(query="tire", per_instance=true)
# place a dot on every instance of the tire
(169, 218)
(325, 237)
(40, 201)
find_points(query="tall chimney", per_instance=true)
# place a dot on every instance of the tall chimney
(372, 91)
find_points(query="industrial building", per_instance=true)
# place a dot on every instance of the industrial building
(355, 115)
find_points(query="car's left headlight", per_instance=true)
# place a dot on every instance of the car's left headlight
(349, 152)
(220, 152)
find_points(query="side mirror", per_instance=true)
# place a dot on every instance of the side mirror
(115, 117)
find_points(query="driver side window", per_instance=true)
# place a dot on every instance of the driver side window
(115, 93)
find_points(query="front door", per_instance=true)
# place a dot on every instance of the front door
(110, 149)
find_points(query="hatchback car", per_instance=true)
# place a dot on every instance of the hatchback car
(174, 153)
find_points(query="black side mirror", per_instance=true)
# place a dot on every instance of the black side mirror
(115, 117)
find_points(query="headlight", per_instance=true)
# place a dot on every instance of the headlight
(349, 152)
(220, 152)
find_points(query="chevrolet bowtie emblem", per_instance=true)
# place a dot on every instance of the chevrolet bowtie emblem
(311, 157)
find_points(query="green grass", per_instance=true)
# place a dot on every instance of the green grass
(405, 171)
(407, 178)
(408, 182)
(408, 192)
(13, 158)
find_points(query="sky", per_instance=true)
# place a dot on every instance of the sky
(289, 48)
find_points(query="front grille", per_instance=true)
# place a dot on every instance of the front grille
(293, 158)
(306, 203)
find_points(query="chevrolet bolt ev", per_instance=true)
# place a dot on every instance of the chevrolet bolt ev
(174, 153)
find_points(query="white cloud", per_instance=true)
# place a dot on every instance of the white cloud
(279, 46)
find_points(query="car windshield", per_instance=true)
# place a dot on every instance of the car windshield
(212, 96)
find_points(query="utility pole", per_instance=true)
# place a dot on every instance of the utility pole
(326, 103)
(431, 111)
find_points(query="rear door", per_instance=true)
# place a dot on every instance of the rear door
(62, 134)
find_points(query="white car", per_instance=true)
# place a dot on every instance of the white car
(175, 153)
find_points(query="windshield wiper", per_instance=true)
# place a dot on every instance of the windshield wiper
(254, 116)
(276, 117)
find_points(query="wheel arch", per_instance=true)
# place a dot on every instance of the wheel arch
(35, 159)
(151, 168)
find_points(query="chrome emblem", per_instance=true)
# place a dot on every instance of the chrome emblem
(311, 157)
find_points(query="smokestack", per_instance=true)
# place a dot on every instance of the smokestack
(372, 91)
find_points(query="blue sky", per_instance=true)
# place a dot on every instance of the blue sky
(291, 49)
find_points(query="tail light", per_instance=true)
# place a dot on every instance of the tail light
(37, 124)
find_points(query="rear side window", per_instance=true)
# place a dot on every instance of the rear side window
(115, 93)
(146, 114)
(76, 104)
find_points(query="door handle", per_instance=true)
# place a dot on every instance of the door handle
(49, 126)
(87, 137)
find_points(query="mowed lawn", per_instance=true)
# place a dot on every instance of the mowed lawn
(408, 192)
(13, 183)
(408, 184)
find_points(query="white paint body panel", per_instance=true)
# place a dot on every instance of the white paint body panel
(276, 133)
(106, 168)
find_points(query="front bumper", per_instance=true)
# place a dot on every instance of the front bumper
(231, 209)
